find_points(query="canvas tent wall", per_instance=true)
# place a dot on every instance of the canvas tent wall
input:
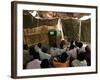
(70, 25)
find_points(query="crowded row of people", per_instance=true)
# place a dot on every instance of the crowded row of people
(40, 56)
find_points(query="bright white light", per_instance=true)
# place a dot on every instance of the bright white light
(37, 17)
(33, 13)
(76, 18)
(59, 27)
(85, 17)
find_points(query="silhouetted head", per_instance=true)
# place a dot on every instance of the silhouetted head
(44, 49)
(39, 45)
(61, 45)
(64, 57)
(63, 42)
(36, 55)
(71, 43)
(81, 56)
(71, 47)
(25, 47)
(80, 44)
(45, 63)
(87, 49)
(76, 43)
(31, 50)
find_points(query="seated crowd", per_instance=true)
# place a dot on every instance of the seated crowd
(40, 56)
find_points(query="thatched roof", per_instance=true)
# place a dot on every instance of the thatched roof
(30, 22)
(47, 18)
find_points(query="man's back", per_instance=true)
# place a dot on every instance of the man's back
(35, 64)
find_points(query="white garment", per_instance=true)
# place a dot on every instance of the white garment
(82, 49)
(62, 51)
(54, 51)
(72, 53)
(37, 48)
(76, 62)
(35, 64)
(44, 55)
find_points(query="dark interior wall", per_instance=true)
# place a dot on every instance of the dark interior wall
(29, 22)
(86, 31)
(71, 28)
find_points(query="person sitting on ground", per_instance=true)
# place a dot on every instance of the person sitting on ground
(63, 62)
(54, 51)
(72, 52)
(80, 61)
(44, 54)
(76, 44)
(38, 47)
(81, 48)
(62, 48)
(72, 42)
(63, 42)
(88, 55)
(45, 48)
(45, 64)
(26, 56)
(35, 63)
(31, 51)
